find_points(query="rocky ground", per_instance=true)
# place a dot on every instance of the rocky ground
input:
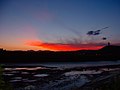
(44, 78)
(111, 81)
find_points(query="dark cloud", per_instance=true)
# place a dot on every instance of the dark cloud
(90, 32)
(104, 38)
(97, 32)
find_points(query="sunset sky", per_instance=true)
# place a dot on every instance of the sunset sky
(58, 25)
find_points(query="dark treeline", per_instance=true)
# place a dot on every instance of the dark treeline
(106, 53)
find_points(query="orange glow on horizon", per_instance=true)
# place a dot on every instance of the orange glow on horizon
(63, 47)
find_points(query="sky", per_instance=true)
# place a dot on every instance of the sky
(59, 25)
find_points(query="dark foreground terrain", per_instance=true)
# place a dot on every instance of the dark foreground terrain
(95, 76)
(105, 77)
(108, 82)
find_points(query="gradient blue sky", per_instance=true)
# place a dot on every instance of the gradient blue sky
(57, 21)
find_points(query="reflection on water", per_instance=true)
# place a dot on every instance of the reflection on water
(63, 64)
(25, 68)
(82, 72)
(40, 75)
(80, 64)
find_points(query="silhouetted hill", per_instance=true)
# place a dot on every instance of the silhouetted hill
(111, 48)
(106, 53)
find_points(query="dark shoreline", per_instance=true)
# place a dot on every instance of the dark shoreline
(77, 67)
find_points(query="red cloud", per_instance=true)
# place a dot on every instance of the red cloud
(63, 47)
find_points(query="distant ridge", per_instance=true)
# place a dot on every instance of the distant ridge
(106, 53)
(111, 48)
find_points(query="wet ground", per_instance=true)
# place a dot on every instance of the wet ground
(49, 78)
